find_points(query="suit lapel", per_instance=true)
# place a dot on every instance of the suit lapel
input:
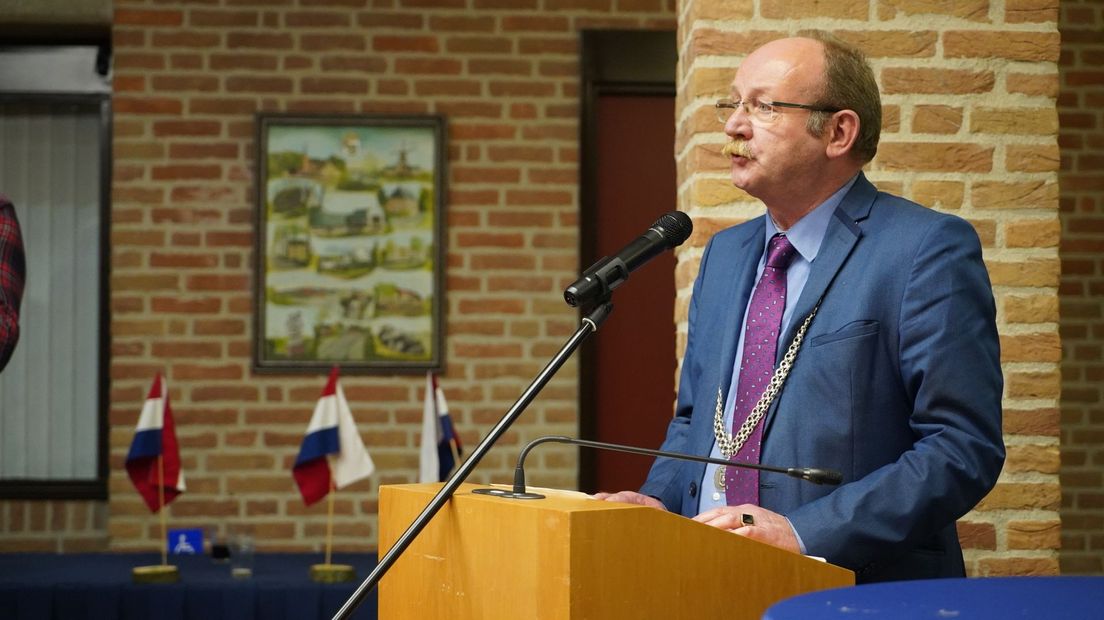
(840, 238)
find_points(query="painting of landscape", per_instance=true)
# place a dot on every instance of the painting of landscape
(349, 243)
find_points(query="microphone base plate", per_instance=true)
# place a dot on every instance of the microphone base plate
(508, 494)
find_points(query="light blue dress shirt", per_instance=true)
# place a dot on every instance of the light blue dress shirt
(806, 236)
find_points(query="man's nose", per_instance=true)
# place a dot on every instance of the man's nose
(738, 124)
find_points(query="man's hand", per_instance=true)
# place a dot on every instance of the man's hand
(769, 527)
(631, 497)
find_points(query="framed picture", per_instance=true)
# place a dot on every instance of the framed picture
(349, 243)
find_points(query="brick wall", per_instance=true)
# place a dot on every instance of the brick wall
(1082, 290)
(188, 77)
(969, 92)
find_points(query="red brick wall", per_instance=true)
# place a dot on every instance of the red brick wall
(189, 76)
(1082, 298)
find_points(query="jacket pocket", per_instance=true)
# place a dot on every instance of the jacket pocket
(854, 329)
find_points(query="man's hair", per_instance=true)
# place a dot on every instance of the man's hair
(848, 85)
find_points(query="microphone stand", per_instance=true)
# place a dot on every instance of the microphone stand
(590, 324)
(814, 475)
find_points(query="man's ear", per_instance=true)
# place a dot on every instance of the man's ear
(841, 133)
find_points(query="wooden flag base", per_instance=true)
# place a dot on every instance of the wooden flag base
(332, 573)
(160, 573)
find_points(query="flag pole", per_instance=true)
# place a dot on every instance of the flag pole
(327, 572)
(161, 502)
(163, 573)
(455, 452)
(329, 522)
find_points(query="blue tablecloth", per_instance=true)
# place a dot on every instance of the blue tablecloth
(36, 586)
(1053, 598)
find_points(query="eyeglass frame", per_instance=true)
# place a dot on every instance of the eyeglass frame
(736, 104)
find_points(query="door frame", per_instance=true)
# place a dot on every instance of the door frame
(612, 62)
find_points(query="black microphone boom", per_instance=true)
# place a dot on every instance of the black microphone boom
(814, 475)
(608, 273)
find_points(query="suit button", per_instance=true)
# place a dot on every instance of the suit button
(693, 489)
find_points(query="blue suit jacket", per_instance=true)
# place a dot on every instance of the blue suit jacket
(897, 385)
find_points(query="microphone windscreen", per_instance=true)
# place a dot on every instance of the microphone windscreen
(675, 228)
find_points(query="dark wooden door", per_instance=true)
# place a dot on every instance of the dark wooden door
(634, 360)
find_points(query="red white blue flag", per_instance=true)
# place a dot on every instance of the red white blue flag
(155, 436)
(441, 448)
(332, 453)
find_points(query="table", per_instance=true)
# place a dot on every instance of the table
(1053, 598)
(98, 586)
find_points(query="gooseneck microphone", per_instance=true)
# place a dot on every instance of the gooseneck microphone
(609, 272)
(814, 475)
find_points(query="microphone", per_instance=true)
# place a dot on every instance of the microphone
(811, 474)
(611, 271)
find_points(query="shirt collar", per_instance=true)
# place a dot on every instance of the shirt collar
(808, 233)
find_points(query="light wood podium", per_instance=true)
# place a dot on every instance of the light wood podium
(485, 557)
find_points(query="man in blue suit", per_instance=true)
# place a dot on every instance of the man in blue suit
(895, 379)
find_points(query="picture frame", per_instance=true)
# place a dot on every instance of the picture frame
(350, 243)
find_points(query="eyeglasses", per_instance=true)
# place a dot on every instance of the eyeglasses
(762, 110)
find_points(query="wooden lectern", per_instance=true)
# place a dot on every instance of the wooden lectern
(485, 557)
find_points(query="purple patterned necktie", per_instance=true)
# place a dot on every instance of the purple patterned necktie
(764, 320)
